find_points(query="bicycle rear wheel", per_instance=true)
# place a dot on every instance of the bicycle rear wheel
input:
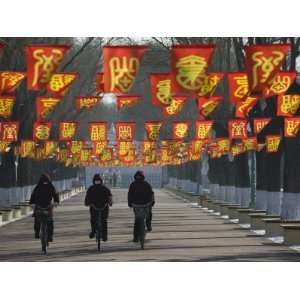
(44, 236)
(142, 233)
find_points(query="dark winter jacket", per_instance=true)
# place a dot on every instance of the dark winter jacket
(140, 192)
(98, 195)
(44, 193)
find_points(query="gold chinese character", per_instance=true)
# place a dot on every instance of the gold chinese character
(123, 71)
(164, 91)
(42, 132)
(191, 70)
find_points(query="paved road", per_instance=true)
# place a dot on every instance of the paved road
(180, 233)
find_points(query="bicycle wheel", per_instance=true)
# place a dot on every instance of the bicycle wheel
(142, 232)
(98, 233)
(44, 236)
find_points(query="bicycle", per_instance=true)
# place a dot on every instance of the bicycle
(98, 224)
(42, 215)
(141, 212)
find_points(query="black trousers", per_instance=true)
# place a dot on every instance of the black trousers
(37, 226)
(148, 223)
(104, 216)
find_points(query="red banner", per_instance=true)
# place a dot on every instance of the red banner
(124, 147)
(127, 101)
(189, 65)
(238, 86)
(67, 130)
(9, 131)
(260, 123)
(45, 106)
(291, 126)
(6, 106)
(280, 84)
(75, 147)
(42, 62)
(41, 131)
(209, 84)
(175, 107)
(263, 62)
(98, 131)
(60, 83)
(107, 155)
(250, 143)
(223, 145)
(121, 65)
(3, 145)
(87, 102)
(50, 147)
(208, 105)
(237, 129)
(125, 131)
(161, 89)
(27, 148)
(237, 149)
(99, 83)
(203, 129)
(272, 143)
(152, 130)
(98, 147)
(243, 108)
(287, 105)
(9, 81)
(180, 130)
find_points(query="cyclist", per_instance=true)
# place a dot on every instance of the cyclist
(140, 192)
(42, 197)
(100, 196)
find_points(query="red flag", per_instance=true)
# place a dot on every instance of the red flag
(127, 101)
(237, 129)
(41, 130)
(223, 145)
(291, 126)
(238, 86)
(99, 83)
(175, 107)
(87, 102)
(263, 62)
(208, 105)
(121, 65)
(67, 130)
(44, 106)
(60, 83)
(9, 81)
(209, 84)
(272, 143)
(287, 105)
(125, 131)
(250, 143)
(203, 129)
(76, 147)
(161, 89)
(242, 108)
(98, 147)
(27, 148)
(152, 130)
(98, 131)
(6, 106)
(180, 130)
(42, 62)
(9, 131)
(260, 123)
(189, 65)
(280, 84)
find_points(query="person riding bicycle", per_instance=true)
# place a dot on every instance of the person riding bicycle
(140, 192)
(99, 196)
(42, 197)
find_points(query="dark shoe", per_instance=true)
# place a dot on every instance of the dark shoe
(135, 240)
(50, 239)
(36, 236)
(104, 239)
(149, 228)
(92, 235)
